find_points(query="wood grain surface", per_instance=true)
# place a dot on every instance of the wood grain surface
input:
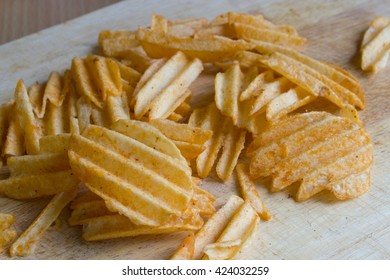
(19, 18)
(320, 228)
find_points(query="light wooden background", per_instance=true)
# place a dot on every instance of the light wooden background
(19, 18)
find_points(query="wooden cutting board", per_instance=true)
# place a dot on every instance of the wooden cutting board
(320, 228)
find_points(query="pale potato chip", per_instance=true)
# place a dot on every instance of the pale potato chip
(249, 192)
(54, 120)
(374, 48)
(213, 228)
(287, 102)
(118, 108)
(169, 83)
(26, 243)
(158, 44)
(37, 98)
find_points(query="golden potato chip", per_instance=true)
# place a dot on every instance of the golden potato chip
(138, 59)
(54, 143)
(374, 48)
(255, 27)
(108, 227)
(350, 112)
(166, 84)
(106, 75)
(212, 229)
(26, 243)
(186, 249)
(6, 233)
(37, 164)
(186, 27)
(319, 79)
(53, 90)
(182, 132)
(158, 44)
(84, 111)
(118, 108)
(318, 148)
(84, 83)
(227, 90)
(38, 185)
(159, 184)
(233, 144)
(83, 212)
(149, 136)
(14, 141)
(4, 124)
(287, 102)
(115, 43)
(249, 192)
(27, 120)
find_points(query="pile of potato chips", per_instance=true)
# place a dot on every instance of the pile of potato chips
(117, 137)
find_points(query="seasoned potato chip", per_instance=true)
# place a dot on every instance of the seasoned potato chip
(14, 141)
(54, 143)
(26, 243)
(159, 44)
(155, 187)
(212, 229)
(320, 149)
(166, 84)
(255, 27)
(27, 119)
(186, 249)
(249, 192)
(222, 250)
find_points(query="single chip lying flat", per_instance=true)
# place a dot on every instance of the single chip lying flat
(134, 178)
(26, 243)
(319, 148)
(375, 47)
